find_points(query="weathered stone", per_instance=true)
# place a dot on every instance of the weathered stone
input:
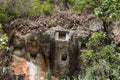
(116, 34)
(19, 66)
(61, 67)
(96, 25)
(31, 71)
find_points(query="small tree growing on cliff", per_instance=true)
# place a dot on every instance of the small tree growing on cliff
(103, 63)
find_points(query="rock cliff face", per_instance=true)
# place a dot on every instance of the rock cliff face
(50, 43)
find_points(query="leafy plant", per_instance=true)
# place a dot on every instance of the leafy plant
(46, 8)
(96, 40)
(48, 75)
(35, 7)
(80, 4)
(5, 70)
(3, 40)
(108, 10)
(18, 8)
(52, 22)
(4, 16)
(71, 1)
(87, 55)
(102, 61)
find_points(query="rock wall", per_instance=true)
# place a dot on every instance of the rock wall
(40, 46)
(61, 65)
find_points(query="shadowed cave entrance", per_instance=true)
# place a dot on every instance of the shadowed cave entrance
(64, 57)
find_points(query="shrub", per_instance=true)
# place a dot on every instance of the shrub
(11, 9)
(80, 4)
(46, 8)
(4, 16)
(3, 40)
(108, 10)
(102, 61)
(96, 40)
(35, 8)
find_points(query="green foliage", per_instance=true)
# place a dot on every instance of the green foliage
(10, 9)
(108, 49)
(80, 4)
(102, 61)
(3, 40)
(24, 8)
(71, 1)
(96, 39)
(48, 74)
(35, 8)
(52, 22)
(46, 8)
(4, 16)
(66, 78)
(0, 27)
(108, 10)
(106, 63)
(5, 70)
(87, 55)
(98, 12)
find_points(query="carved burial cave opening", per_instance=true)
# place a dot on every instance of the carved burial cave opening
(64, 57)
(62, 35)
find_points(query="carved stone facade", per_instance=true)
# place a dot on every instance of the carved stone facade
(56, 49)
(61, 66)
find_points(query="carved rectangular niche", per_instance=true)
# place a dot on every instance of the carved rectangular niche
(62, 35)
